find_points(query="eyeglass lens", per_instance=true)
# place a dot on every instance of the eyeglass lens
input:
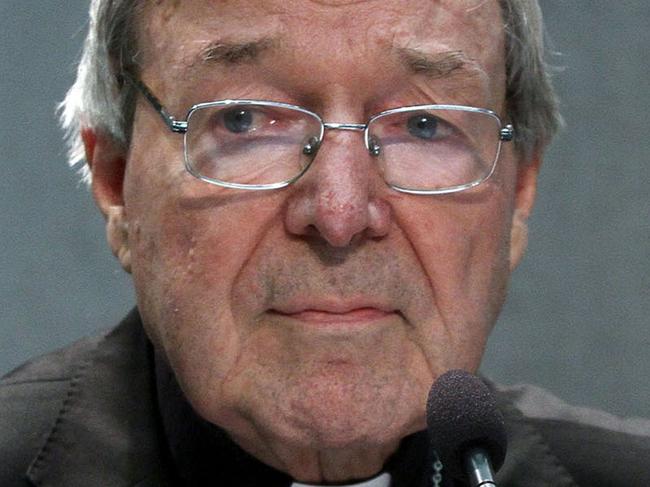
(249, 144)
(422, 149)
(435, 149)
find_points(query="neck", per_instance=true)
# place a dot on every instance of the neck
(341, 465)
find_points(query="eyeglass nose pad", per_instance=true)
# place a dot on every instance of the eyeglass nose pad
(311, 147)
(373, 147)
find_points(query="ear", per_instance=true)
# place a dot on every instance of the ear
(526, 191)
(106, 158)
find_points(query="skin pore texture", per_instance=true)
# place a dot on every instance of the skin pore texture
(310, 322)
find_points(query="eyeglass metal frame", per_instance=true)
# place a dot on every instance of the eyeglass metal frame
(506, 134)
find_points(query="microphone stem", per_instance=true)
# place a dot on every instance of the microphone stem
(478, 468)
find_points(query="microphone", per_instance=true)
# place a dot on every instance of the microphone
(466, 429)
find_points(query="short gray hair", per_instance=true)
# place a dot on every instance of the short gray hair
(99, 101)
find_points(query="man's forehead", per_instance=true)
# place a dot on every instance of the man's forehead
(460, 4)
(405, 18)
(430, 38)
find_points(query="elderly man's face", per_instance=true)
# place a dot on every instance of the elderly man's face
(311, 321)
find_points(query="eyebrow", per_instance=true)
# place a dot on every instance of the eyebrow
(439, 65)
(234, 53)
(432, 65)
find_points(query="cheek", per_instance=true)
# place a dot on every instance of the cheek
(180, 279)
(184, 267)
(463, 244)
(189, 242)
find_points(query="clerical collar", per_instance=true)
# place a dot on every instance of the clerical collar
(203, 454)
(382, 480)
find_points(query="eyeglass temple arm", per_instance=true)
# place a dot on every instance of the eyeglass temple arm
(178, 126)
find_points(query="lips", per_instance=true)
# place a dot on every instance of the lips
(360, 315)
(335, 312)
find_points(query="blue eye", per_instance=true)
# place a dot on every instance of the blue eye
(238, 120)
(423, 126)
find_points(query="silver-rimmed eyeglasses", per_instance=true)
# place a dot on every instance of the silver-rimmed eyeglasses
(262, 145)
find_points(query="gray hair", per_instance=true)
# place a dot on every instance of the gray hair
(98, 100)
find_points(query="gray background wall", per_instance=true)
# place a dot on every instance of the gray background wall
(577, 317)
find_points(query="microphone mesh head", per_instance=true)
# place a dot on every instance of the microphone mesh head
(461, 414)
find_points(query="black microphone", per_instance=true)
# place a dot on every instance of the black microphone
(466, 429)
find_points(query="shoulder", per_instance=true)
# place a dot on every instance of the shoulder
(596, 447)
(31, 397)
(34, 396)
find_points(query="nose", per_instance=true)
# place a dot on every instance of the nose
(339, 199)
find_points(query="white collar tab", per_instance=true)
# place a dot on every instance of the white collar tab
(382, 480)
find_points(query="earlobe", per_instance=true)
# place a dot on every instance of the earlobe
(117, 234)
(524, 201)
(518, 238)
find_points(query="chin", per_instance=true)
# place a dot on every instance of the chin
(335, 413)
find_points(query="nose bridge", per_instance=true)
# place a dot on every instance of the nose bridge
(347, 145)
(342, 165)
(342, 189)
(338, 197)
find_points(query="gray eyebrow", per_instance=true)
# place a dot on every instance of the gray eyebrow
(438, 65)
(432, 65)
(223, 52)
